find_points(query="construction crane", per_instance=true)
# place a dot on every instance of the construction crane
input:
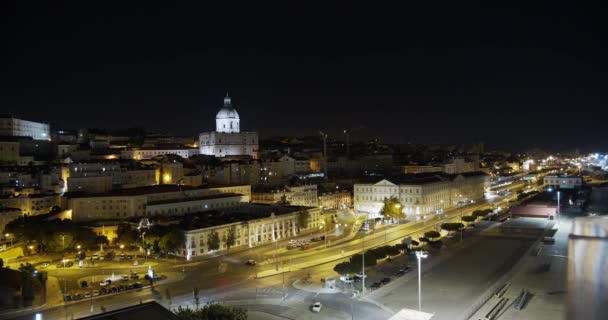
(324, 137)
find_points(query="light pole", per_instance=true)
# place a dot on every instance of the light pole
(363, 265)
(420, 255)
(558, 198)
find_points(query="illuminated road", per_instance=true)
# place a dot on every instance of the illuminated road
(228, 278)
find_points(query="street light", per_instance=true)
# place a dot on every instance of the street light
(420, 255)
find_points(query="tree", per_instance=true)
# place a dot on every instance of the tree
(432, 234)
(211, 311)
(392, 209)
(468, 218)
(231, 237)
(172, 241)
(303, 219)
(481, 213)
(347, 267)
(213, 241)
(126, 235)
(1, 263)
(452, 226)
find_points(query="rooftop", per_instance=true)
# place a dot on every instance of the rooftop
(143, 190)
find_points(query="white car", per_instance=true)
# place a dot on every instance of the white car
(316, 307)
(105, 283)
(347, 279)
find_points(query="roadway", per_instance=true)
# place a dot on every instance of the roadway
(223, 277)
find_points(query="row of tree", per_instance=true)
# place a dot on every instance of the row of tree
(372, 256)
(55, 235)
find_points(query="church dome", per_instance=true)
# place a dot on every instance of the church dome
(227, 119)
(227, 111)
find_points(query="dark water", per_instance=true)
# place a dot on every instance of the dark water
(599, 201)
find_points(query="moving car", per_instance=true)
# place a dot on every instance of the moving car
(316, 307)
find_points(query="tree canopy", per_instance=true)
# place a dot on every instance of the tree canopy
(211, 311)
(392, 209)
(172, 241)
(54, 235)
(452, 226)
(213, 240)
(468, 218)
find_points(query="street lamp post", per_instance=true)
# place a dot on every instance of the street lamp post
(420, 255)
(363, 265)
(558, 198)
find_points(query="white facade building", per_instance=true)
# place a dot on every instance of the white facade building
(563, 182)
(149, 153)
(14, 127)
(421, 195)
(278, 222)
(227, 139)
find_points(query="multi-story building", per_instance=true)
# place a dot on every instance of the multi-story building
(339, 199)
(227, 139)
(417, 169)
(258, 224)
(421, 194)
(9, 152)
(305, 195)
(171, 172)
(563, 181)
(460, 165)
(156, 200)
(14, 127)
(32, 204)
(90, 184)
(151, 152)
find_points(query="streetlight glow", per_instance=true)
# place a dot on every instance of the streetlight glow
(420, 255)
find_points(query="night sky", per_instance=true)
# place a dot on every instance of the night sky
(510, 77)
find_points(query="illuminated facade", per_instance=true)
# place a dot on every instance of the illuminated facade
(14, 127)
(421, 194)
(281, 222)
(227, 139)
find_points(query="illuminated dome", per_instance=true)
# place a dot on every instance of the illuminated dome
(227, 119)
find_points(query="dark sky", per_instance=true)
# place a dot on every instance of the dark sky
(530, 76)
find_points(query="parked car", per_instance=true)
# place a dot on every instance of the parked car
(113, 289)
(124, 278)
(347, 279)
(87, 295)
(105, 283)
(316, 307)
(404, 270)
(77, 297)
(121, 288)
(84, 284)
(44, 265)
(67, 297)
(103, 291)
(138, 285)
(385, 280)
(69, 264)
(250, 263)
(60, 265)
(129, 287)
(376, 285)
(134, 275)
(95, 293)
